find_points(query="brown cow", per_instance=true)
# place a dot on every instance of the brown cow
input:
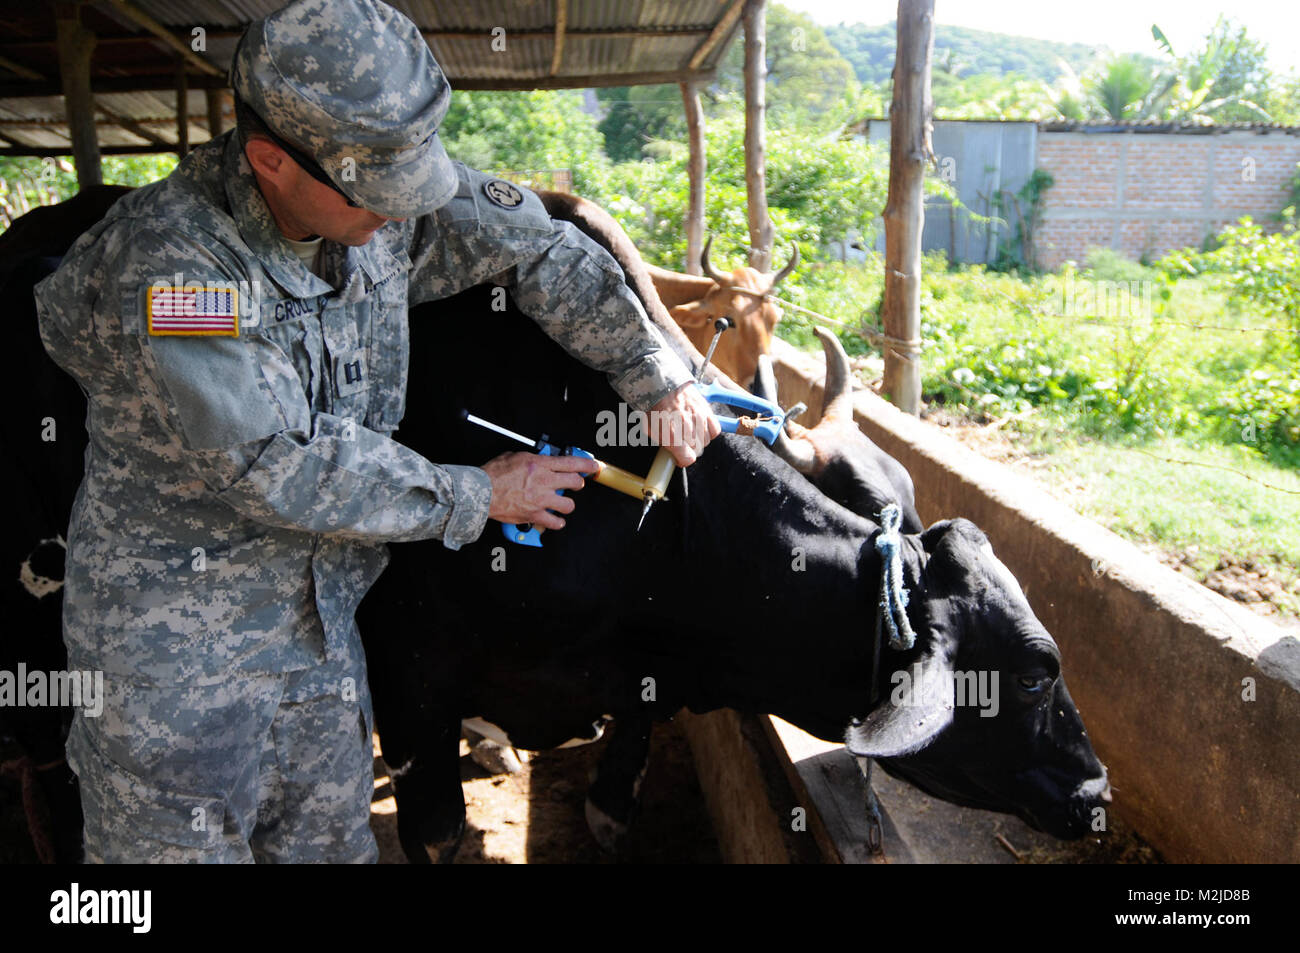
(695, 303)
(836, 456)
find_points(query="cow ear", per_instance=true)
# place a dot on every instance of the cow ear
(919, 706)
(934, 534)
(693, 315)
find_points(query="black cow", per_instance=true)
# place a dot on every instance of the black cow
(44, 437)
(749, 590)
(835, 455)
(593, 626)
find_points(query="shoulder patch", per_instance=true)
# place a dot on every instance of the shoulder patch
(193, 310)
(502, 193)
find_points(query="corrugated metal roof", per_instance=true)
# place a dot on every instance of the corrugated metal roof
(606, 42)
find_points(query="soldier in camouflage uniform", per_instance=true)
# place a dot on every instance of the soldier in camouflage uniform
(244, 379)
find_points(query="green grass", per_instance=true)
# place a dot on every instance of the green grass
(1216, 500)
(1106, 398)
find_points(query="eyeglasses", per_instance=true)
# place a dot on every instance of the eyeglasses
(305, 162)
(310, 166)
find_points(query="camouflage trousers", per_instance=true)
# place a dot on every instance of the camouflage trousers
(257, 768)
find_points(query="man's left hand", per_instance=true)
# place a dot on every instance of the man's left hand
(684, 424)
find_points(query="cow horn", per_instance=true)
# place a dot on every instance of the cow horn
(708, 269)
(790, 266)
(797, 453)
(837, 396)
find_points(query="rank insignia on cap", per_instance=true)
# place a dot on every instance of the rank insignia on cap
(503, 193)
(193, 310)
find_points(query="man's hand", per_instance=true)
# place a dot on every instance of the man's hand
(683, 423)
(524, 485)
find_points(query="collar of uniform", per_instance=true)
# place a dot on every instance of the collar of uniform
(374, 261)
(259, 231)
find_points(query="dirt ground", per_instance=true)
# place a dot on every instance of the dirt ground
(536, 815)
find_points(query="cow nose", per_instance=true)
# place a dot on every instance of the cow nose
(1095, 788)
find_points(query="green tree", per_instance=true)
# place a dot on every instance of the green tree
(1282, 99)
(806, 76)
(819, 190)
(1123, 87)
(1221, 82)
(26, 182)
(526, 131)
(870, 51)
(638, 114)
(989, 96)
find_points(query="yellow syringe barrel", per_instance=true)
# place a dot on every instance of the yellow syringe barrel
(654, 484)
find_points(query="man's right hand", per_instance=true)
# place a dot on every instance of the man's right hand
(524, 485)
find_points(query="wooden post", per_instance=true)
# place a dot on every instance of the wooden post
(75, 44)
(182, 110)
(909, 150)
(697, 168)
(760, 226)
(216, 123)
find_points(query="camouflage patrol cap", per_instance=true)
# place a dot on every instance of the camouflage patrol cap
(353, 84)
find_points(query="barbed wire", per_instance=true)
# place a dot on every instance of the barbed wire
(888, 340)
(1040, 312)
(1214, 466)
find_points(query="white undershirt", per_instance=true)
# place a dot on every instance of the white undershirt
(308, 253)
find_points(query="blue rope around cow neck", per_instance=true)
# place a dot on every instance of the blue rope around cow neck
(893, 597)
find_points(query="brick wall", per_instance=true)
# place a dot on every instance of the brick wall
(1147, 193)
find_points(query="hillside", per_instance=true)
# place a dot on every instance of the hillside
(966, 52)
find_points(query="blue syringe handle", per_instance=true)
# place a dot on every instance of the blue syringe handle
(532, 536)
(766, 430)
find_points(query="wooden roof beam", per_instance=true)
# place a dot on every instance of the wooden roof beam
(561, 22)
(153, 82)
(584, 80)
(125, 122)
(109, 119)
(18, 69)
(76, 43)
(212, 33)
(599, 34)
(181, 47)
(150, 149)
(133, 127)
(716, 34)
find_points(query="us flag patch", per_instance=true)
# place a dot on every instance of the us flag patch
(194, 310)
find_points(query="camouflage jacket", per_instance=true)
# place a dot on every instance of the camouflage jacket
(239, 487)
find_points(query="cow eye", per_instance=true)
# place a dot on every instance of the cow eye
(1033, 684)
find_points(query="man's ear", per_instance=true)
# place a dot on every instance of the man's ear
(267, 159)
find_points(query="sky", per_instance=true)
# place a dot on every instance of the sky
(1122, 25)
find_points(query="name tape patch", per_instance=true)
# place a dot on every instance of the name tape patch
(194, 310)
